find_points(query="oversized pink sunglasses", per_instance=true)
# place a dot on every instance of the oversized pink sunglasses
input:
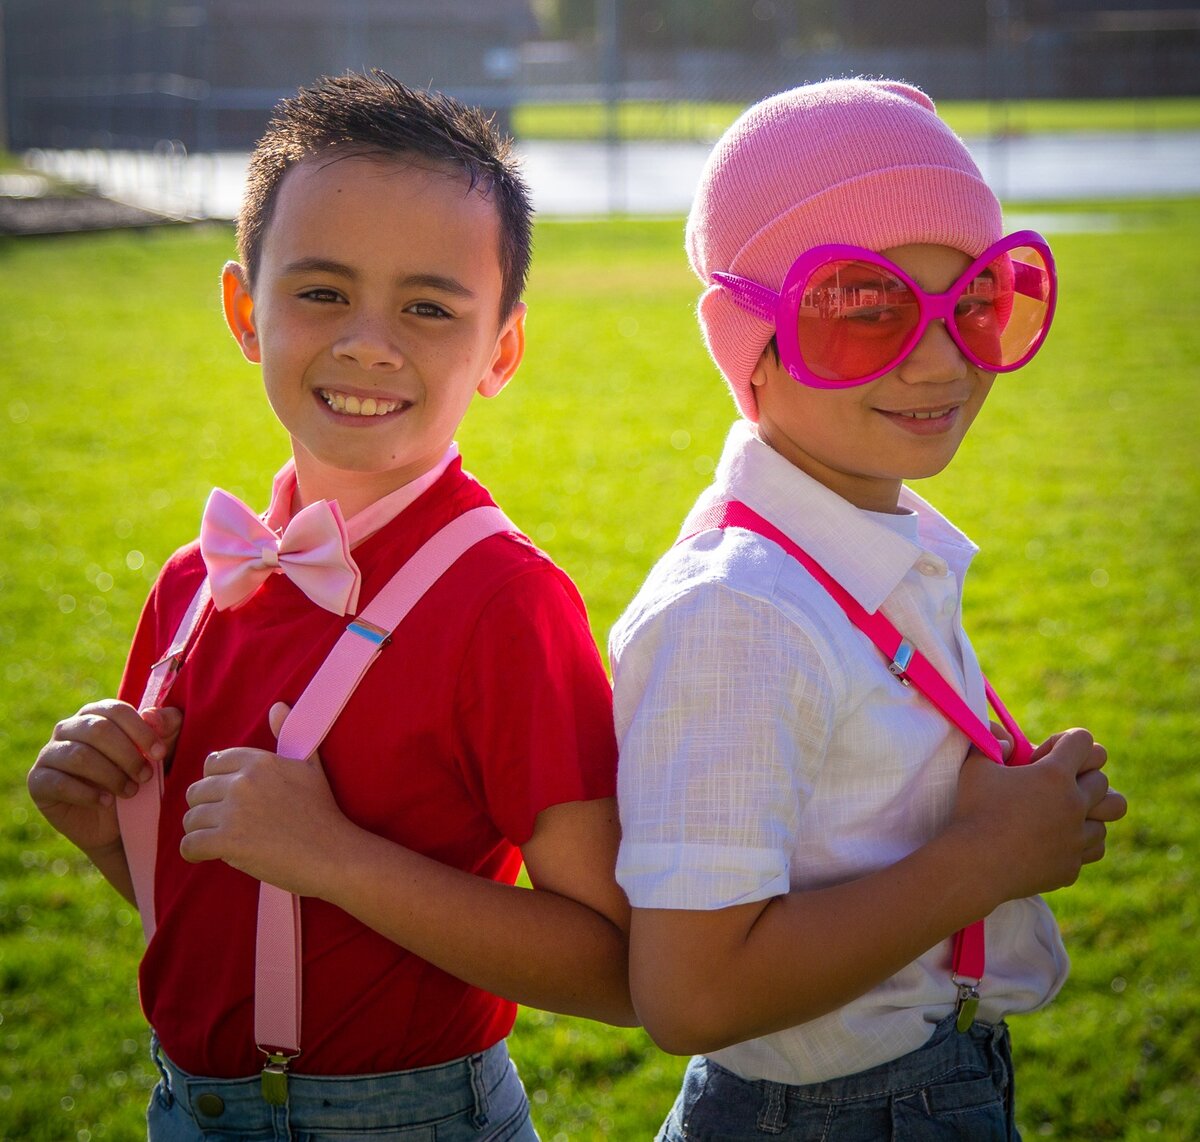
(846, 315)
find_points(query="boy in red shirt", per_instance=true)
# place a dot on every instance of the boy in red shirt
(383, 242)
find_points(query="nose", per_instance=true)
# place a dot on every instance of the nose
(934, 359)
(368, 341)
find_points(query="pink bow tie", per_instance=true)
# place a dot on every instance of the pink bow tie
(240, 552)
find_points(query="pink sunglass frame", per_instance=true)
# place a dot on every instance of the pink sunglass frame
(782, 309)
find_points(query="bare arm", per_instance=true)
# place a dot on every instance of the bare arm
(560, 946)
(702, 980)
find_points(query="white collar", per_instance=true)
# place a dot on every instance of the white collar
(828, 526)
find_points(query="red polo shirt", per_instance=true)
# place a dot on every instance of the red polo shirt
(489, 705)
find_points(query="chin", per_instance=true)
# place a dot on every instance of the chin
(928, 469)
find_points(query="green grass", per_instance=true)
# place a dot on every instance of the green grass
(124, 401)
(645, 119)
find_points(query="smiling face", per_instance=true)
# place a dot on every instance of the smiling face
(375, 316)
(862, 442)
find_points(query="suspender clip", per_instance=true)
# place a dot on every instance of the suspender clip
(370, 632)
(966, 1004)
(901, 660)
(173, 660)
(275, 1077)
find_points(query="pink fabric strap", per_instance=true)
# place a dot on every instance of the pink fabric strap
(277, 960)
(138, 815)
(908, 665)
(277, 982)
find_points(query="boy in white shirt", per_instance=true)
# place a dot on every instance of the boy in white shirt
(802, 836)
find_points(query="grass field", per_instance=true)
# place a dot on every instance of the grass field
(644, 119)
(123, 401)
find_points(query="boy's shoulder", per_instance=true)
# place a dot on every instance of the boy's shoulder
(495, 561)
(718, 574)
(181, 573)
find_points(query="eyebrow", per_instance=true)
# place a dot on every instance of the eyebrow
(440, 282)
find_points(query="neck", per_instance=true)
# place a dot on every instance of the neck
(871, 493)
(353, 491)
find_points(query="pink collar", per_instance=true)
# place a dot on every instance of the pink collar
(368, 521)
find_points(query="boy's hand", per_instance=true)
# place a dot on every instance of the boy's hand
(271, 817)
(1039, 823)
(103, 752)
(1106, 804)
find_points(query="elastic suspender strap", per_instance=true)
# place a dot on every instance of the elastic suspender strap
(909, 665)
(277, 977)
(905, 662)
(137, 816)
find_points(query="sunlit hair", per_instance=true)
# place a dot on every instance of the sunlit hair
(377, 115)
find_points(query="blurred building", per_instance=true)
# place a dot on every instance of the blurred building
(130, 73)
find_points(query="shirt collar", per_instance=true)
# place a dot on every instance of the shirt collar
(866, 556)
(372, 518)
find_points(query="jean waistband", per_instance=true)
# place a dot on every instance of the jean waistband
(947, 1050)
(362, 1102)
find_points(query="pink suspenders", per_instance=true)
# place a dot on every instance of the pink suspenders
(277, 959)
(911, 668)
(138, 815)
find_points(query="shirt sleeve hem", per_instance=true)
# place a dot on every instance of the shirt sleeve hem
(699, 877)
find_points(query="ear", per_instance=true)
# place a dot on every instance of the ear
(762, 369)
(239, 311)
(510, 348)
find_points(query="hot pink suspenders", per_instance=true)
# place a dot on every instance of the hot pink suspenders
(277, 959)
(911, 668)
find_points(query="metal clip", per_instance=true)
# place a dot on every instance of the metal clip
(966, 1006)
(274, 1079)
(174, 658)
(370, 632)
(901, 659)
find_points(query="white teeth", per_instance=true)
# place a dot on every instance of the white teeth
(354, 406)
(925, 415)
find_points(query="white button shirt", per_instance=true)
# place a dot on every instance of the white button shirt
(765, 747)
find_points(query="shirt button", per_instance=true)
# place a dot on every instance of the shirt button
(210, 1105)
(929, 566)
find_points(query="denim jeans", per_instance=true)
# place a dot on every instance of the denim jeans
(957, 1086)
(476, 1099)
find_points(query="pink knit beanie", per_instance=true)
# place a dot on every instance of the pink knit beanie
(859, 161)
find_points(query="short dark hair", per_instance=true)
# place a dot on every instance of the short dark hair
(376, 114)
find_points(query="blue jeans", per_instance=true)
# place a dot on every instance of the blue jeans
(476, 1099)
(957, 1086)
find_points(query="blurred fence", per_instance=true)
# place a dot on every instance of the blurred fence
(203, 74)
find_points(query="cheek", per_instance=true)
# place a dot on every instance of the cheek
(983, 387)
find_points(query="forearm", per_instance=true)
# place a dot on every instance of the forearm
(534, 947)
(112, 864)
(801, 955)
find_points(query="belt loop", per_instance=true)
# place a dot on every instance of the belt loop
(163, 1074)
(772, 1115)
(479, 1089)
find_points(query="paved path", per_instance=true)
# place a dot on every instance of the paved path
(580, 179)
(656, 178)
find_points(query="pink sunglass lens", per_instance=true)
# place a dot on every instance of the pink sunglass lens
(853, 320)
(1002, 313)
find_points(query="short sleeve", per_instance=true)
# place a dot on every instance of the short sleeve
(724, 712)
(533, 706)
